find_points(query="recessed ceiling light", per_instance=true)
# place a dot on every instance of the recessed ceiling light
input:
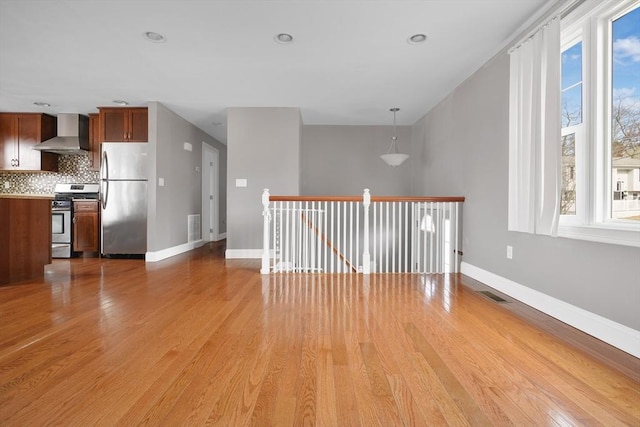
(154, 37)
(42, 104)
(284, 38)
(120, 102)
(417, 39)
(216, 123)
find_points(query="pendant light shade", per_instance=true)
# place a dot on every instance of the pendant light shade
(393, 157)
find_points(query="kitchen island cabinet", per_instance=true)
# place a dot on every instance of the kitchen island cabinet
(19, 133)
(25, 240)
(124, 124)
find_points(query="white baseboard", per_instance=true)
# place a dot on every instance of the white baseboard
(173, 251)
(220, 236)
(620, 336)
(243, 253)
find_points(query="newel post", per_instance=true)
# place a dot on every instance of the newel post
(366, 257)
(265, 232)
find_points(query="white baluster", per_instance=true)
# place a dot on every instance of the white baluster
(415, 233)
(300, 237)
(265, 234)
(394, 230)
(332, 238)
(357, 263)
(387, 238)
(287, 236)
(439, 233)
(366, 257)
(374, 225)
(407, 229)
(432, 214)
(274, 235)
(458, 245)
(324, 233)
(351, 260)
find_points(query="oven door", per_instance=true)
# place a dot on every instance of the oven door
(61, 233)
(61, 225)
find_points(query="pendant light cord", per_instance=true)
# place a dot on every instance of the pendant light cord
(393, 148)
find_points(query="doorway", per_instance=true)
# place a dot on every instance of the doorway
(210, 193)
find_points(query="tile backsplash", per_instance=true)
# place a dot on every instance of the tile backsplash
(71, 169)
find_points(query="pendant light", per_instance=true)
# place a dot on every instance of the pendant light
(393, 157)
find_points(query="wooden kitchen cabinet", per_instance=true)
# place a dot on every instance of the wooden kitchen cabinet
(86, 226)
(19, 133)
(124, 124)
(94, 141)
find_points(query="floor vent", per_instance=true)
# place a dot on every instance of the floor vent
(493, 296)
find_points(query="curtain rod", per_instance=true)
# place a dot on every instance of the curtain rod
(562, 12)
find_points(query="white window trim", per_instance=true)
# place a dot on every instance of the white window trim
(580, 176)
(591, 221)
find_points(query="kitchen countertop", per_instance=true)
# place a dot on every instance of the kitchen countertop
(26, 196)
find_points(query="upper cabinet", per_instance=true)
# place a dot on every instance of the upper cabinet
(94, 141)
(19, 133)
(124, 124)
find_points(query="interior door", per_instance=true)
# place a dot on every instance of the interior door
(210, 194)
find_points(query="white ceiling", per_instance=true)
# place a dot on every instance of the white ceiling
(349, 62)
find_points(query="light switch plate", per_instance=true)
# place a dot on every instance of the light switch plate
(160, 182)
(241, 182)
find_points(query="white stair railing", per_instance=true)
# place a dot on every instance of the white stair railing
(336, 235)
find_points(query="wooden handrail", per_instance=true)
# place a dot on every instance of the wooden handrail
(417, 199)
(359, 198)
(315, 198)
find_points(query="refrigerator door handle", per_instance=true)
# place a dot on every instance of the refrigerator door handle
(104, 170)
(105, 193)
(105, 166)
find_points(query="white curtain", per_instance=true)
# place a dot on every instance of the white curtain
(535, 179)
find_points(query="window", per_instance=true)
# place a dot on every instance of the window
(600, 137)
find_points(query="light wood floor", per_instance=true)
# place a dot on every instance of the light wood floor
(197, 340)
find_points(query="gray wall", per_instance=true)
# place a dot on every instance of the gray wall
(461, 148)
(182, 191)
(263, 148)
(344, 160)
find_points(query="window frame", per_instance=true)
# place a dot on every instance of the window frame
(591, 23)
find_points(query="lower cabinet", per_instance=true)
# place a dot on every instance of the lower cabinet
(25, 238)
(86, 226)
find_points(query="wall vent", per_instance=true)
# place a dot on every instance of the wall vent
(193, 228)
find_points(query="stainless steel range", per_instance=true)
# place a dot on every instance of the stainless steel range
(62, 215)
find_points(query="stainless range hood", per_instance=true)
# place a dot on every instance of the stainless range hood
(73, 136)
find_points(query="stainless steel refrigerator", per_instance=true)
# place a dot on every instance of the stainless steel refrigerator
(123, 193)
